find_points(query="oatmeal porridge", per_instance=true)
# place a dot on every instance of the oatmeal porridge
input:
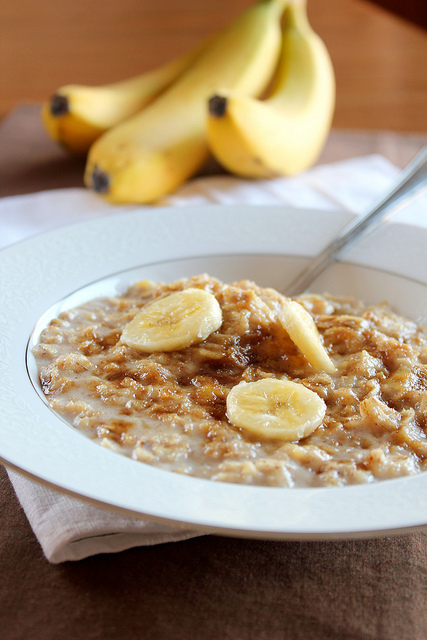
(354, 377)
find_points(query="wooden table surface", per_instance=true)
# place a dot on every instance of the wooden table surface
(380, 60)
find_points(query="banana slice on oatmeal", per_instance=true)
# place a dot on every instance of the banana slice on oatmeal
(276, 409)
(302, 330)
(174, 322)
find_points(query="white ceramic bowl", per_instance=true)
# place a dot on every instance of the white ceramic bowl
(57, 270)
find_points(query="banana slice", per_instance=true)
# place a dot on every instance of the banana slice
(272, 408)
(303, 332)
(174, 322)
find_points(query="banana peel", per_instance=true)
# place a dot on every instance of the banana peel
(154, 152)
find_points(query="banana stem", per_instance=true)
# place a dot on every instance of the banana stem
(295, 15)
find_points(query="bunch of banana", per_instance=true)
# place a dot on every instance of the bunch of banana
(155, 151)
(145, 136)
(270, 407)
(285, 133)
(76, 115)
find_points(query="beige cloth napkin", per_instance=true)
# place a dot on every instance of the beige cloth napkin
(69, 528)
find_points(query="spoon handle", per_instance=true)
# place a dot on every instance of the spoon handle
(409, 182)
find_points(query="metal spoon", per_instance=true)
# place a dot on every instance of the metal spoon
(410, 182)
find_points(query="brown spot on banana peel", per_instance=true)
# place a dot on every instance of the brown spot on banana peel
(217, 106)
(59, 105)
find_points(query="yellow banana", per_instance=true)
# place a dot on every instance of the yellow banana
(152, 153)
(76, 115)
(285, 133)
